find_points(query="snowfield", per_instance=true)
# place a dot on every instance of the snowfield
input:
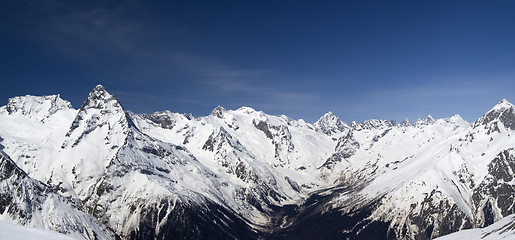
(17, 232)
(503, 229)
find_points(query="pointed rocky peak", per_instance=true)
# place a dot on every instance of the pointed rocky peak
(427, 121)
(354, 125)
(102, 111)
(99, 98)
(189, 116)
(330, 124)
(458, 121)
(503, 104)
(218, 112)
(456, 118)
(406, 123)
(503, 112)
(37, 107)
(329, 116)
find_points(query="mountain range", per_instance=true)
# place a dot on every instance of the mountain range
(103, 172)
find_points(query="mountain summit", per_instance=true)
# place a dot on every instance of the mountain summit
(100, 112)
(503, 112)
(330, 124)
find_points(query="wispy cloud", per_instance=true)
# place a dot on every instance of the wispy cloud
(231, 80)
(84, 29)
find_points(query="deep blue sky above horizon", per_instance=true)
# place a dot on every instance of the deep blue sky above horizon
(358, 59)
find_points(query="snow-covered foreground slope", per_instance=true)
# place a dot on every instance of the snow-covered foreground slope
(17, 232)
(503, 229)
(246, 174)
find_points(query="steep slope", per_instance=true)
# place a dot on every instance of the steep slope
(28, 202)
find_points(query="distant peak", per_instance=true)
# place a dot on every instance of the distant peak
(503, 111)
(99, 87)
(374, 124)
(406, 123)
(246, 109)
(99, 98)
(218, 112)
(503, 104)
(39, 107)
(329, 116)
(330, 124)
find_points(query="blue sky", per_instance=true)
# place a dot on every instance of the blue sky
(358, 59)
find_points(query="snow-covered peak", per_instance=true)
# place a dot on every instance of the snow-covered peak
(503, 112)
(36, 107)
(218, 112)
(330, 124)
(406, 123)
(99, 98)
(247, 110)
(101, 110)
(428, 120)
(458, 120)
(503, 104)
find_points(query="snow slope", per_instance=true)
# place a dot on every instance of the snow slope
(17, 232)
(503, 229)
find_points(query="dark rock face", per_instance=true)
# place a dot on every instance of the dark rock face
(373, 124)
(315, 219)
(218, 112)
(504, 112)
(263, 126)
(160, 119)
(345, 148)
(281, 139)
(433, 217)
(496, 193)
(15, 177)
(190, 221)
